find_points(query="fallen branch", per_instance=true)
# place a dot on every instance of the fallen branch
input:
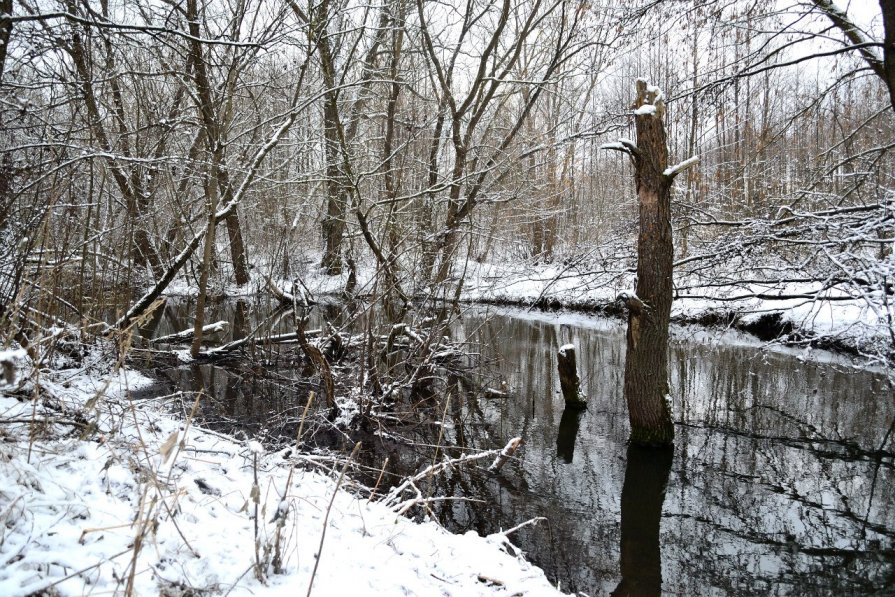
(391, 500)
(286, 338)
(302, 297)
(508, 451)
(522, 525)
(187, 335)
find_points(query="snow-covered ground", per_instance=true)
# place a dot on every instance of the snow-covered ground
(864, 323)
(145, 504)
(861, 323)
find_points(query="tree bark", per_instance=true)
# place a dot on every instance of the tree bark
(211, 197)
(568, 378)
(5, 32)
(649, 312)
(337, 194)
(215, 139)
(234, 230)
(337, 183)
(888, 10)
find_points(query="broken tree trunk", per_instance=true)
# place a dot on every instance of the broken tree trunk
(646, 363)
(649, 310)
(508, 451)
(568, 377)
(319, 362)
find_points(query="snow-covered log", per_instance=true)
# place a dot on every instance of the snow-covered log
(299, 295)
(287, 338)
(218, 327)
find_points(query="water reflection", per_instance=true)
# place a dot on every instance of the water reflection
(778, 482)
(646, 475)
(567, 434)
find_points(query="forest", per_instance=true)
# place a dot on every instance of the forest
(266, 264)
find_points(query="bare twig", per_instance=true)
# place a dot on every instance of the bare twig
(326, 516)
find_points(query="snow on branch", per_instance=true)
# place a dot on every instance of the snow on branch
(212, 328)
(855, 35)
(673, 171)
(508, 451)
(623, 145)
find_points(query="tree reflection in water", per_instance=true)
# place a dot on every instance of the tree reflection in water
(646, 477)
(567, 434)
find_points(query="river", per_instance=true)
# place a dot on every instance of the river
(782, 480)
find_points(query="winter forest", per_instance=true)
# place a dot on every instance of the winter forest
(414, 297)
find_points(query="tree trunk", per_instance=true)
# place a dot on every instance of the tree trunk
(142, 251)
(5, 31)
(649, 312)
(337, 185)
(888, 10)
(568, 377)
(237, 249)
(336, 195)
(885, 68)
(211, 197)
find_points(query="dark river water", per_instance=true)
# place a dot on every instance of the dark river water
(782, 480)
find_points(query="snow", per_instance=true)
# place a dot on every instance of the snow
(848, 321)
(9, 362)
(12, 355)
(858, 322)
(645, 109)
(617, 146)
(150, 505)
(565, 348)
(673, 170)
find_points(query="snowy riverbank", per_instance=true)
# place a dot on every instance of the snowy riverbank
(145, 503)
(802, 312)
(827, 317)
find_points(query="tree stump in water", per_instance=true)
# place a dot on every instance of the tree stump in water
(568, 377)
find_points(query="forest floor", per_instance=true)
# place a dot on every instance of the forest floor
(102, 493)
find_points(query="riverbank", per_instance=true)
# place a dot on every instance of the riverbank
(102, 493)
(802, 314)
(843, 318)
